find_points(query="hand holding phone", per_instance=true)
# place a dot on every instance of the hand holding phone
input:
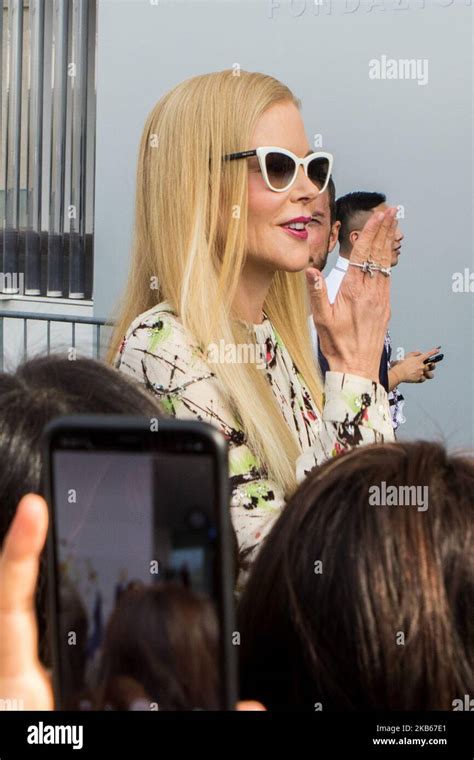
(434, 359)
(141, 569)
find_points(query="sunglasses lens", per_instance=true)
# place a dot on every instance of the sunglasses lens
(280, 169)
(318, 170)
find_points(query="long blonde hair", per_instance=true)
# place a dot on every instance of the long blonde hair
(190, 238)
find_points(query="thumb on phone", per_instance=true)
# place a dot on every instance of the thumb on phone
(22, 677)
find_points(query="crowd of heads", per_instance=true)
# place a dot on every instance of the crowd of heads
(349, 605)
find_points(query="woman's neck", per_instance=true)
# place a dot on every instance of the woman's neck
(252, 290)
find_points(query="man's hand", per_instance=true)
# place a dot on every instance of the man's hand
(412, 369)
(23, 680)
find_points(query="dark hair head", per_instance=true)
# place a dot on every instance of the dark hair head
(351, 210)
(40, 390)
(161, 646)
(385, 621)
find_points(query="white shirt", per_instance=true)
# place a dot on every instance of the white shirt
(335, 277)
(333, 283)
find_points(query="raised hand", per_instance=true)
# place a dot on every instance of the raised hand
(351, 330)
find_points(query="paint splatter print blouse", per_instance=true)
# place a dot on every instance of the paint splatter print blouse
(159, 352)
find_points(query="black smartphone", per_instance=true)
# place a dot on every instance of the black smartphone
(141, 564)
(434, 359)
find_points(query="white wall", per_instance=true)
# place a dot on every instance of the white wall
(412, 141)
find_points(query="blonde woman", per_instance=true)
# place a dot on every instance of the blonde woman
(220, 265)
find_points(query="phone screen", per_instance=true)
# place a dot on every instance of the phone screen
(137, 579)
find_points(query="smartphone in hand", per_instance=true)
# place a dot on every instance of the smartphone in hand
(434, 359)
(141, 564)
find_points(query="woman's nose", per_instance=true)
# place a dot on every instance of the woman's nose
(304, 188)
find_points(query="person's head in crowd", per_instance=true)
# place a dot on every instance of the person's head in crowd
(352, 212)
(161, 651)
(324, 228)
(362, 596)
(38, 391)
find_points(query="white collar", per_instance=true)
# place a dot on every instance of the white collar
(342, 263)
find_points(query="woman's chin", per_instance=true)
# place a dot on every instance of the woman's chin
(294, 261)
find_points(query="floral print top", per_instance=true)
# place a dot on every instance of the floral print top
(159, 352)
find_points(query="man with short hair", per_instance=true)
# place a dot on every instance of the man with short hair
(352, 211)
(324, 227)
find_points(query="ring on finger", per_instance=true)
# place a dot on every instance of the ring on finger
(370, 267)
